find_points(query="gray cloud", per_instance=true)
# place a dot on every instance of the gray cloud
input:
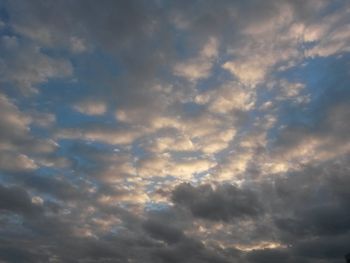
(156, 131)
(224, 203)
(17, 200)
(163, 231)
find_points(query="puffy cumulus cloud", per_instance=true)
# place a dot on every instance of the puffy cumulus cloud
(330, 35)
(174, 132)
(281, 40)
(20, 150)
(16, 162)
(91, 107)
(164, 144)
(199, 67)
(285, 90)
(14, 120)
(265, 44)
(17, 65)
(197, 126)
(256, 60)
(249, 72)
(233, 166)
(126, 196)
(77, 45)
(300, 143)
(229, 97)
(203, 132)
(248, 155)
(207, 144)
(119, 168)
(217, 142)
(163, 165)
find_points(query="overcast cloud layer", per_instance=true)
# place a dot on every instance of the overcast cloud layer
(174, 131)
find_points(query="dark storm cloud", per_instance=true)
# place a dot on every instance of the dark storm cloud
(268, 255)
(162, 231)
(321, 220)
(310, 212)
(189, 251)
(330, 249)
(319, 207)
(16, 199)
(165, 226)
(11, 252)
(223, 203)
(316, 198)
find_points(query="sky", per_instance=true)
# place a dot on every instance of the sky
(179, 131)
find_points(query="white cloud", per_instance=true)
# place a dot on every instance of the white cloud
(175, 143)
(199, 67)
(78, 45)
(91, 107)
(16, 162)
(216, 142)
(17, 144)
(162, 165)
(13, 119)
(230, 96)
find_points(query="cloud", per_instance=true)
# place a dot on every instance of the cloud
(268, 256)
(307, 143)
(91, 108)
(16, 162)
(179, 143)
(17, 144)
(108, 135)
(164, 165)
(16, 199)
(229, 97)
(224, 203)
(161, 231)
(330, 38)
(17, 70)
(199, 67)
(174, 131)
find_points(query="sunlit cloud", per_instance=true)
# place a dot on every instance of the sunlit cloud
(184, 131)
